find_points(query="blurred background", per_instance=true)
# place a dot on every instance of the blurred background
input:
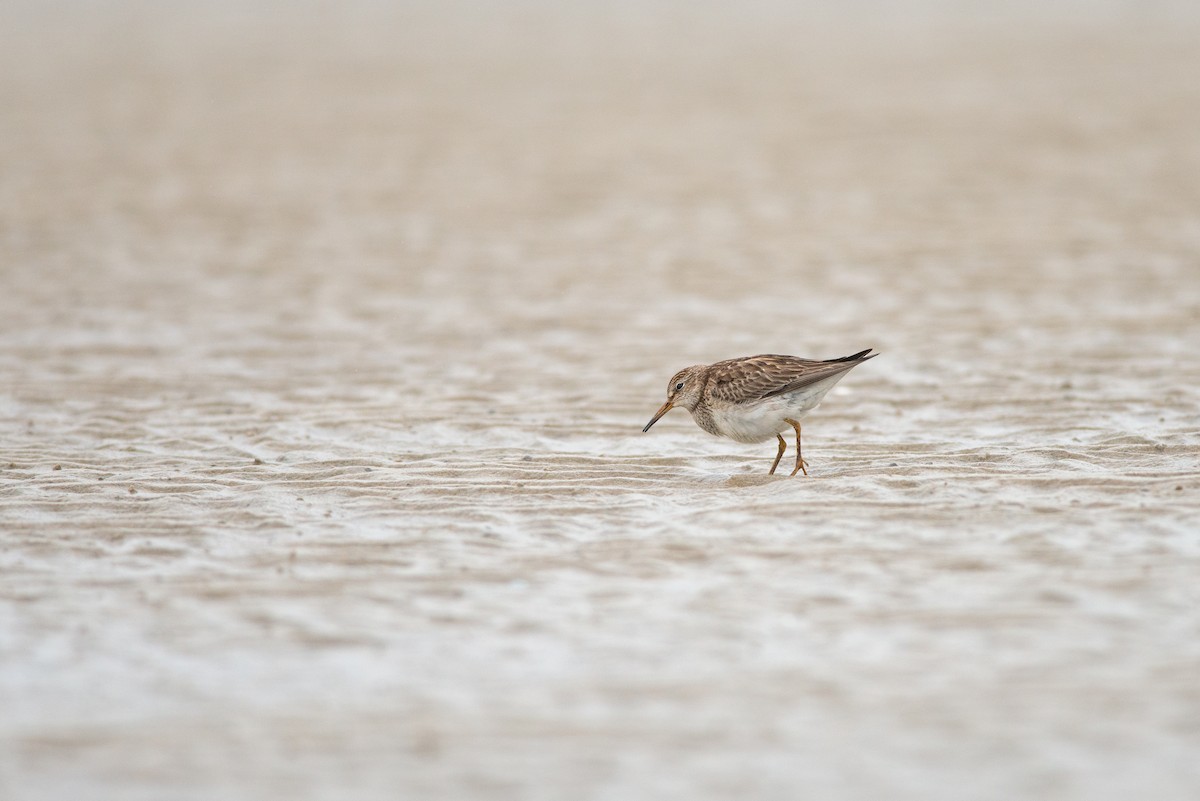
(327, 332)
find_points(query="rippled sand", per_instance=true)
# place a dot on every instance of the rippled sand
(328, 335)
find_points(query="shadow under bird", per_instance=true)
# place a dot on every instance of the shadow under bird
(754, 398)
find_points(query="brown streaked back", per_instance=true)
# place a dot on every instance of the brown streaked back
(770, 374)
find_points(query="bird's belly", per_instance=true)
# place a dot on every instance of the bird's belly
(760, 421)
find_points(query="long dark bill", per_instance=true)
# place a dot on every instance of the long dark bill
(666, 407)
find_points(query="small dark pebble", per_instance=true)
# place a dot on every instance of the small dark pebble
(1179, 489)
(893, 464)
(58, 467)
(257, 460)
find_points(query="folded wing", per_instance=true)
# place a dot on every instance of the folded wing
(768, 375)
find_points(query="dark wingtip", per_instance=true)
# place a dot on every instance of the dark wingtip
(861, 356)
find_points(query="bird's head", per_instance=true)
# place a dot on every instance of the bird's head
(684, 390)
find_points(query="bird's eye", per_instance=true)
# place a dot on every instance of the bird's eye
(679, 386)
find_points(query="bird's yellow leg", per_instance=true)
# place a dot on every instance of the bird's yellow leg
(778, 456)
(800, 463)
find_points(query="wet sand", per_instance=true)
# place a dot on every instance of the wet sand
(328, 336)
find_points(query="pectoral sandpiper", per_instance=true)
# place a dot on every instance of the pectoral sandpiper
(754, 398)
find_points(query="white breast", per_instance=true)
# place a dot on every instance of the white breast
(762, 420)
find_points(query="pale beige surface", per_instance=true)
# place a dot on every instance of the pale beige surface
(327, 338)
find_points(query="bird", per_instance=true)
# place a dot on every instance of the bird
(752, 398)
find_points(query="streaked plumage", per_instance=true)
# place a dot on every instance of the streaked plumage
(754, 398)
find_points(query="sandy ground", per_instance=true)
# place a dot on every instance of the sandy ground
(327, 335)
